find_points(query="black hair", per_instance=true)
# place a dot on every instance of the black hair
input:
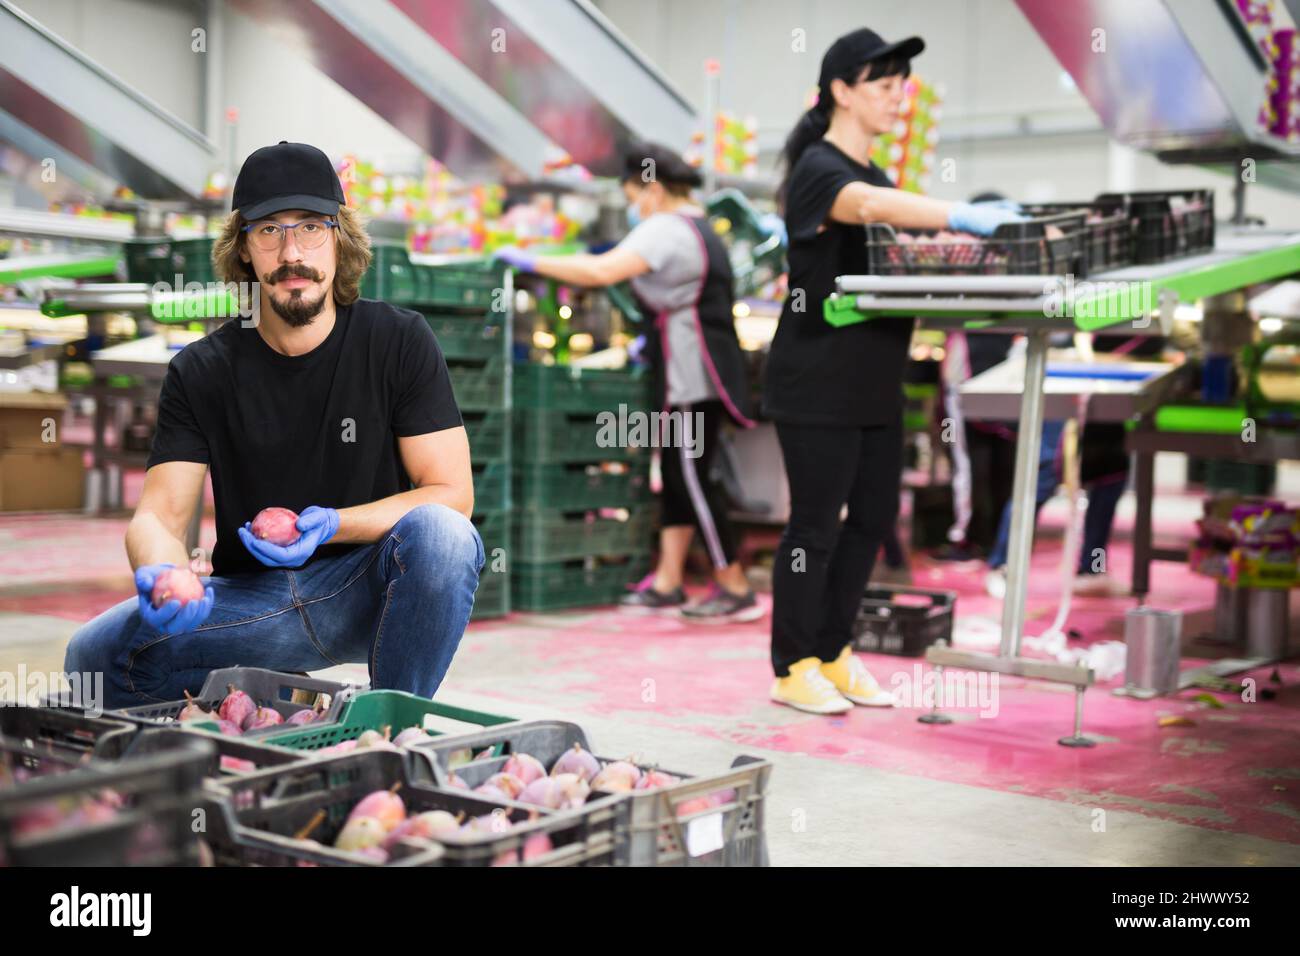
(650, 162)
(814, 123)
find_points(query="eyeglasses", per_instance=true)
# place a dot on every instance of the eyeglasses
(269, 236)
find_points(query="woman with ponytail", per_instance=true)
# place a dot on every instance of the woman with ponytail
(836, 394)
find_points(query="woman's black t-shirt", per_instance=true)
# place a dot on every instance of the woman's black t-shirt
(314, 429)
(818, 374)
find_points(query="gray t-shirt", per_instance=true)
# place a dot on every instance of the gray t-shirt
(670, 246)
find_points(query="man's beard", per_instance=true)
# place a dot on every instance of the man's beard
(297, 311)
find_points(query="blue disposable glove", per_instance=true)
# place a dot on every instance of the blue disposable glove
(173, 617)
(636, 349)
(317, 525)
(980, 218)
(999, 204)
(516, 258)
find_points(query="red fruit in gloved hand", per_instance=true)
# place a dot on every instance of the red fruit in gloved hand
(576, 760)
(236, 707)
(262, 717)
(527, 768)
(176, 584)
(276, 525)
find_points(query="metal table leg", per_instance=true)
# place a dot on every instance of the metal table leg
(1023, 494)
(1144, 486)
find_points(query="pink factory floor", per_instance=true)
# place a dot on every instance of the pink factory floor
(1233, 766)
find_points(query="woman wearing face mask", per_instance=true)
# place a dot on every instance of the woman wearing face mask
(681, 274)
(836, 393)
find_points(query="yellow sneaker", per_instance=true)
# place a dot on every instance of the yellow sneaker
(850, 677)
(807, 689)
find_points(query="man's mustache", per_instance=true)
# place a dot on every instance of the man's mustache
(290, 271)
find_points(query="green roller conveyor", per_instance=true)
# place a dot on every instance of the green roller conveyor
(85, 266)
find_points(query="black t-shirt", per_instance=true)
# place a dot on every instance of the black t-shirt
(817, 373)
(314, 429)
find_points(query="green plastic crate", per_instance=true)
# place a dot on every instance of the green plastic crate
(472, 286)
(390, 277)
(492, 599)
(161, 259)
(493, 527)
(491, 486)
(377, 709)
(488, 434)
(193, 259)
(552, 585)
(560, 535)
(554, 437)
(756, 253)
(479, 384)
(573, 389)
(468, 337)
(579, 485)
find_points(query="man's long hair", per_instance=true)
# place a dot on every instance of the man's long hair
(353, 247)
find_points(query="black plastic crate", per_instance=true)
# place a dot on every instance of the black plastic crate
(68, 731)
(263, 812)
(675, 825)
(154, 796)
(1015, 248)
(232, 755)
(1168, 224)
(903, 621)
(1108, 236)
(287, 693)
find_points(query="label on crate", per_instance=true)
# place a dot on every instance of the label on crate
(704, 835)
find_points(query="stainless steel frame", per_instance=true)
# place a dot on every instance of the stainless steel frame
(51, 92)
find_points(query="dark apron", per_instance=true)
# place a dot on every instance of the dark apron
(719, 347)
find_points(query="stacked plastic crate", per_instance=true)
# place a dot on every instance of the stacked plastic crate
(469, 306)
(583, 509)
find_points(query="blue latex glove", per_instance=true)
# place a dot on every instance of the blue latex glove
(173, 617)
(317, 525)
(980, 218)
(1000, 204)
(516, 258)
(636, 348)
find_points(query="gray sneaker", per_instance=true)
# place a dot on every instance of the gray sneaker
(647, 600)
(723, 607)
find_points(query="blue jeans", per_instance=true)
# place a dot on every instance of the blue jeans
(399, 605)
(1103, 498)
(1047, 482)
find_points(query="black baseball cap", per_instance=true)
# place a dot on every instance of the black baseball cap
(861, 47)
(287, 176)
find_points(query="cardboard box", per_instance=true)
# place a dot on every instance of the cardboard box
(43, 479)
(23, 418)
